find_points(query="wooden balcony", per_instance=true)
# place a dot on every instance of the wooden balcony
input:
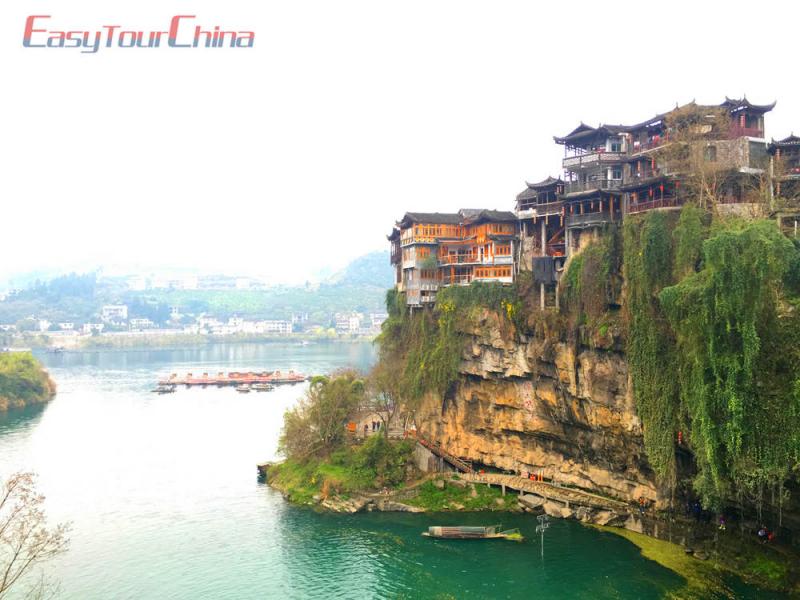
(592, 159)
(738, 131)
(574, 187)
(459, 259)
(651, 144)
(457, 280)
(533, 210)
(589, 219)
(637, 207)
(643, 176)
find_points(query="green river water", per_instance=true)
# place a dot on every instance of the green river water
(165, 503)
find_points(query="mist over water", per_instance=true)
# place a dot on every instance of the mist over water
(165, 504)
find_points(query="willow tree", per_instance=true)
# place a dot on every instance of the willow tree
(737, 360)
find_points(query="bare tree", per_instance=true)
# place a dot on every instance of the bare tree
(25, 539)
(697, 134)
(384, 393)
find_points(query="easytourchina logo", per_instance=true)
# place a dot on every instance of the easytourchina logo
(183, 32)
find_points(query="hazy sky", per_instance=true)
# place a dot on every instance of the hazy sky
(302, 151)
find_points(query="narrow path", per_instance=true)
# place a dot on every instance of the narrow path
(547, 490)
(521, 484)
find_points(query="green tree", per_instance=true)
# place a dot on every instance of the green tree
(317, 424)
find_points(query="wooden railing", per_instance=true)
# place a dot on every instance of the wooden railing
(637, 207)
(739, 131)
(436, 449)
(596, 184)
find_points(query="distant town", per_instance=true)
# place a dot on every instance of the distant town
(74, 311)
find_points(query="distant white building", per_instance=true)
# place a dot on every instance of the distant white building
(67, 326)
(92, 327)
(140, 323)
(276, 327)
(115, 313)
(348, 323)
(44, 324)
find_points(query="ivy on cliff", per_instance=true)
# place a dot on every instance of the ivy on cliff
(733, 346)
(429, 343)
(590, 283)
(710, 351)
(647, 261)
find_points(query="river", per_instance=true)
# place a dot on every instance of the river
(165, 504)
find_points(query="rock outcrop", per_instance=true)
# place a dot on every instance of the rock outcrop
(543, 404)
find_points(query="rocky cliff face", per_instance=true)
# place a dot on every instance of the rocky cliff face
(543, 404)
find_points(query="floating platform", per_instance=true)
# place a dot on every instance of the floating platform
(235, 378)
(463, 532)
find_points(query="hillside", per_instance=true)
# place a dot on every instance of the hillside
(78, 298)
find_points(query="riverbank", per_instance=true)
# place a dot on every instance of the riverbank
(158, 341)
(704, 559)
(23, 381)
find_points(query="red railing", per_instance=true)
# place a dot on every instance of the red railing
(637, 207)
(649, 144)
(739, 131)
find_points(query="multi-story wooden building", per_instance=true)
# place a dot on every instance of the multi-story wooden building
(785, 171)
(612, 170)
(430, 250)
(542, 218)
(609, 171)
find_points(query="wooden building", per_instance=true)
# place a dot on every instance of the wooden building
(542, 224)
(785, 170)
(612, 170)
(594, 158)
(430, 250)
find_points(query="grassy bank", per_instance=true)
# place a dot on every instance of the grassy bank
(763, 566)
(445, 494)
(23, 381)
(368, 467)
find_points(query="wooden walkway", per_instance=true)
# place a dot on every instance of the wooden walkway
(547, 491)
(459, 464)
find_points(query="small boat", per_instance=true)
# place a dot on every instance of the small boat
(464, 532)
(164, 389)
(243, 388)
(262, 387)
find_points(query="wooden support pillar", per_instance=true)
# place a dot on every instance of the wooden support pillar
(503, 489)
(541, 295)
(544, 240)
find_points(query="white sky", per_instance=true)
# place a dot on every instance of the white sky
(302, 151)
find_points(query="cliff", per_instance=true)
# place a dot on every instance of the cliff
(540, 403)
(668, 370)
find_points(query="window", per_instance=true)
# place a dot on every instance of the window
(710, 154)
(616, 172)
(616, 145)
